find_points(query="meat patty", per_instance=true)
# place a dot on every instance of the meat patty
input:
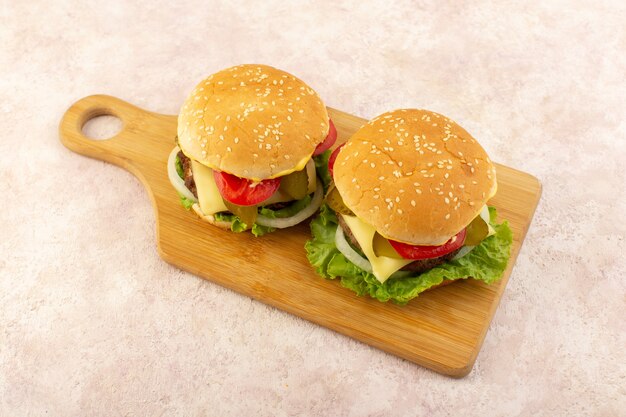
(419, 266)
(188, 173)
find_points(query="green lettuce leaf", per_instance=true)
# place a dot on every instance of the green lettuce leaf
(486, 262)
(187, 203)
(179, 168)
(321, 166)
(238, 226)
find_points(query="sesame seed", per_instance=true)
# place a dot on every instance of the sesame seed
(447, 216)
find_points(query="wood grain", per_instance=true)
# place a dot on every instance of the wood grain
(441, 330)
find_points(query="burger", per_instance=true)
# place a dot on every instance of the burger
(246, 140)
(407, 209)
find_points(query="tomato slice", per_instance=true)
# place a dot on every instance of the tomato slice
(333, 157)
(329, 141)
(426, 252)
(242, 191)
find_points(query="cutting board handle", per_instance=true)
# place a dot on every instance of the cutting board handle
(127, 148)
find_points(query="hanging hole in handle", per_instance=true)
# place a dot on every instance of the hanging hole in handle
(102, 126)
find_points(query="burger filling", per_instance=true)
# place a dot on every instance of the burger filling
(297, 198)
(344, 247)
(359, 242)
(418, 266)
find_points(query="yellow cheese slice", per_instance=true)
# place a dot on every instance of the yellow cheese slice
(382, 266)
(210, 199)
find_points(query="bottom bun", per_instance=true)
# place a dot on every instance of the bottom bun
(209, 218)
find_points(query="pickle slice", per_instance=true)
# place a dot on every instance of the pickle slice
(382, 247)
(246, 214)
(476, 232)
(335, 202)
(296, 184)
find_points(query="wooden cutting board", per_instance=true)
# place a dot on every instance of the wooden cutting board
(442, 329)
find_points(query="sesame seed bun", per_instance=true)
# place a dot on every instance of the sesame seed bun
(252, 121)
(415, 175)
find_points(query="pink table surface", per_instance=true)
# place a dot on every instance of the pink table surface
(94, 323)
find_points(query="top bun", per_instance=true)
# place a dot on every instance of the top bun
(252, 121)
(415, 175)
